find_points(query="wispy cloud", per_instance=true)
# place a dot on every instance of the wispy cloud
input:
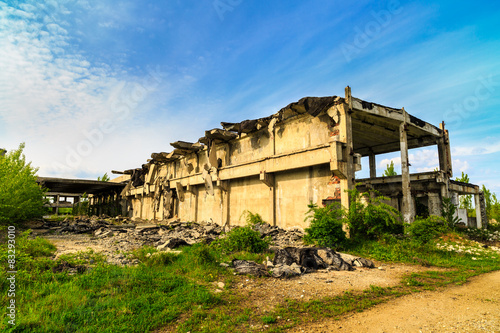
(53, 96)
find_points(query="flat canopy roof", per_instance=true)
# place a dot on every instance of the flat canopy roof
(376, 129)
(78, 186)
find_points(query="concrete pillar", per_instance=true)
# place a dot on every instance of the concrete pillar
(434, 204)
(225, 192)
(373, 166)
(57, 204)
(444, 152)
(269, 180)
(479, 223)
(408, 210)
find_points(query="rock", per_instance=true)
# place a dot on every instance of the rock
(107, 233)
(145, 227)
(162, 246)
(310, 259)
(362, 262)
(221, 285)
(249, 267)
(176, 242)
(298, 269)
(356, 261)
(283, 257)
(98, 232)
(285, 271)
(223, 264)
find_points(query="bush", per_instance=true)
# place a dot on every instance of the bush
(425, 230)
(21, 197)
(252, 219)
(448, 210)
(242, 239)
(325, 229)
(372, 219)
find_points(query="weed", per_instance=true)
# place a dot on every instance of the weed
(242, 239)
(325, 228)
(424, 230)
(269, 319)
(252, 219)
(372, 219)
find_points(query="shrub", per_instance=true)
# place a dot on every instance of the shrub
(372, 219)
(242, 239)
(325, 228)
(448, 210)
(252, 219)
(21, 197)
(424, 230)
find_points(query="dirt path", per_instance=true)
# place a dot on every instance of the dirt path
(473, 307)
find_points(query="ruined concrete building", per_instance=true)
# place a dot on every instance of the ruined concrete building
(307, 152)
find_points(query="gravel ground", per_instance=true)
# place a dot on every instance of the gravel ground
(473, 307)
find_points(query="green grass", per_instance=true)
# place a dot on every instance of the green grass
(176, 291)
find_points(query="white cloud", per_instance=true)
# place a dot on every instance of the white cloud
(459, 165)
(424, 160)
(483, 148)
(382, 165)
(54, 99)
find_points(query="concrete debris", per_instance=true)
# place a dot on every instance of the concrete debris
(356, 261)
(311, 259)
(280, 237)
(118, 236)
(249, 267)
(290, 262)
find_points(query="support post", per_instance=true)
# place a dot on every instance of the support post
(479, 215)
(225, 192)
(341, 151)
(373, 166)
(269, 180)
(444, 152)
(407, 210)
(434, 203)
(57, 204)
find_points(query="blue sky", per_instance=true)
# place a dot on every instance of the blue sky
(92, 86)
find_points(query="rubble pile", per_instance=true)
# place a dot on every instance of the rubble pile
(280, 237)
(294, 261)
(118, 236)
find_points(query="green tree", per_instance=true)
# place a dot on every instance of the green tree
(389, 171)
(104, 178)
(372, 218)
(492, 204)
(465, 200)
(21, 197)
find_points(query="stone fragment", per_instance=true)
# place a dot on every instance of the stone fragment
(249, 267)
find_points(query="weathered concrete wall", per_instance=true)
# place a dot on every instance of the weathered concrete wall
(275, 171)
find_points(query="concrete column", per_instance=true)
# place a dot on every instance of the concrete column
(408, 210)
(479, 215)
(373, 166)
(225, 192)
(269, 180)
(434, 204)
(57, 204)
(444, 152)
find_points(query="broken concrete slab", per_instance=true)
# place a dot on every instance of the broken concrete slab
(249, 267)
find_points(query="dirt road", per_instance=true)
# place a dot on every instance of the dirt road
(473, 307)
